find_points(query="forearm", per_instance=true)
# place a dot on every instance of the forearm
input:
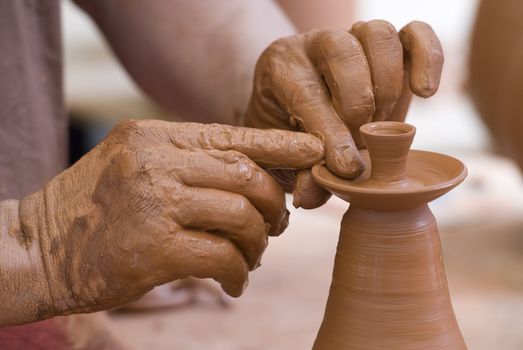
(45, 246)
(24, 291)
(326, 14)
(195, 58)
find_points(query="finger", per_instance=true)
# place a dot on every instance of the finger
(307, 101)
(425, 57)
(204, 255)
(232, 172)
(307, 194)
(290, 92)
(269, 148)
(384, 53)
(341, 60)
(228, 213)
(317, 116)
(399, 113)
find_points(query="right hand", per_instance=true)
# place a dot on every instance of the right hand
(158, 201)
(331, 82)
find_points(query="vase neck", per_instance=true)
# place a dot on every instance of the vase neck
(388, 144)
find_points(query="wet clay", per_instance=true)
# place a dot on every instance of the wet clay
(389, 289)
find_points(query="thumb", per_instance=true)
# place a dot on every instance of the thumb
(307, 194)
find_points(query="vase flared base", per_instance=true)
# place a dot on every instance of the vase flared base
(389, 289)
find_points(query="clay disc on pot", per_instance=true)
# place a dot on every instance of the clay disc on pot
(429, 176)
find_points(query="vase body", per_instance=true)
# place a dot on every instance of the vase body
(389, 289)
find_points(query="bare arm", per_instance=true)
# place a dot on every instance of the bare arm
(195, 58)
(326, 14)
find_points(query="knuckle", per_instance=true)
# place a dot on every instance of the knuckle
(247, 171)
(331, 38)
(127, 164)
(366, 101)
(125, 129)
(243, 208)
(136, 164)
(246, 216)
(358, 112)
(356, 27)
(271, 56)
(342, 48)
(268, 65)
(379, 26)
(229, 156)
(138, 133)
(217, 136)
(125, 157)
(241, 167)
(126, 134)
(417, 25)
(230, 253)
(281, 58)
(330, 47)
(280, 46)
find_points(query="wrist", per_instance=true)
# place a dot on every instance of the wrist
(38, 220)
(24, 291)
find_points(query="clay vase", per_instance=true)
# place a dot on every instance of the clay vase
(389, 289)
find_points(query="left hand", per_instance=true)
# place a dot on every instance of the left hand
(152, 203)
(329, 83)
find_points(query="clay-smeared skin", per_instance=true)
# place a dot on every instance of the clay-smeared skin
(154, 202)
(329, 83)
(389, 289)
(24, 292)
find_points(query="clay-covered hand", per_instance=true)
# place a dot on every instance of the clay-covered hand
(158, 201)
(329, 83)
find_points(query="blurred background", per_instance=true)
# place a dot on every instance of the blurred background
(481, 222)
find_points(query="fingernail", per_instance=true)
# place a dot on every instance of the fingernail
(345, 163)
(282, 224)
(296, 199)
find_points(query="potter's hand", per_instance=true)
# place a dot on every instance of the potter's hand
(329, 83)
(158, 201)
